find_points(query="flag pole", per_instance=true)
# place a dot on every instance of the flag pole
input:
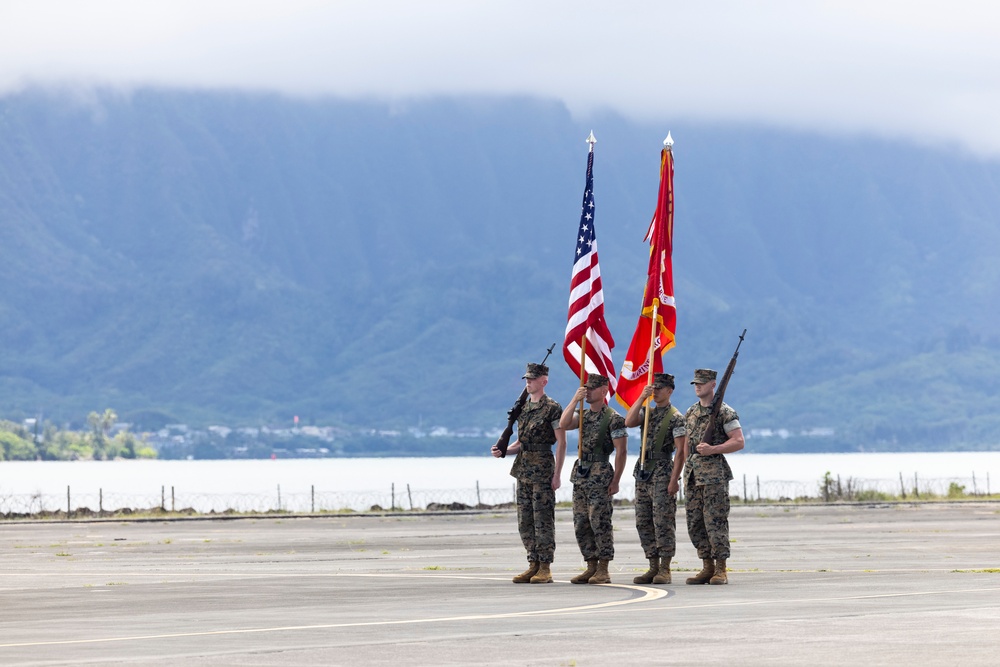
(583, 381)
(588, 274)
(649, 380)
(668, 144)
(583, 344)
(591, 140)
(649, 383)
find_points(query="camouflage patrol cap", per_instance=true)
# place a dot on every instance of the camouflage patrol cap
(703, 376)
(661, 380)
(594, 381)
(535, 371)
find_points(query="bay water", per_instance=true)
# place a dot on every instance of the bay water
(360, 483)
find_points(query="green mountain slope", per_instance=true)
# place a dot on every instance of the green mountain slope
(224, 258)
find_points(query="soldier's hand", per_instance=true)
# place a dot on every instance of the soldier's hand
(673, 487)
(580, 395)
(647, 391)
(612, 488)
(495, 451)
(703, 448)
(556, 482)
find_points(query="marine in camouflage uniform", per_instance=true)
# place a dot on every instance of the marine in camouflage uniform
(706, 479)
(595, 480)
(538, 472)
(656, 482)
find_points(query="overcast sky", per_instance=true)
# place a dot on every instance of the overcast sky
(908, 69)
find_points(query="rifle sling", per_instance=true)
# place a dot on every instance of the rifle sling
(660, 438)
(604, 443)
(603, 446)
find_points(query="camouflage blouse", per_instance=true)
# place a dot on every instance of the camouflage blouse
(536, 427)
(593, 438)
(678, 429)
(711, 469)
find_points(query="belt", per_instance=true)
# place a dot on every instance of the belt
(536, 447)
(595, 458)
(658, 456)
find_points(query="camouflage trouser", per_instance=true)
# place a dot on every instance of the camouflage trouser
(708, 519)
(536, 520)
(592, 514)
(655, 515)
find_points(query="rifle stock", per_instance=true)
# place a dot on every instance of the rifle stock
(720, 393)
(503, 442)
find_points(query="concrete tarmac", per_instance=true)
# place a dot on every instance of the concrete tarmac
(910, 584)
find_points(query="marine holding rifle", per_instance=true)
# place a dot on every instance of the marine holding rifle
(538, 472)
(707, 475)
(595, 481)
(657, 473)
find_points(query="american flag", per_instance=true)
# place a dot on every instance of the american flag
(586, 297)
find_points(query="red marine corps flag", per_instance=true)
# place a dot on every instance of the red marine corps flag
(654, 334)
(588, 344)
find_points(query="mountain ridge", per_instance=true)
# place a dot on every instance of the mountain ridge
(242, 258)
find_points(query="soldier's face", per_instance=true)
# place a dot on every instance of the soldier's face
(662, 394)
(705, 389)
(596, 395)
(535, 384)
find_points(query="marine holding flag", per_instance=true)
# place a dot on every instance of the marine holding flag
(587, 350)
(664, 433)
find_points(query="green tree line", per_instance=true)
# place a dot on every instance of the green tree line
(47, 442)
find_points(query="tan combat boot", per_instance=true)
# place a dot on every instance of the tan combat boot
(526, 576)
(584, 577)
(720, 573)
(543, 576)
(703, 577)
(601, 576)
(647, 577)
(663, 575)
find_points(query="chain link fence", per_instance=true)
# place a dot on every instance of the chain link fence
(404, 497)
(832, 488)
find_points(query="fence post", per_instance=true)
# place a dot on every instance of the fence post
(758, 488)
(173, 499)
(916, 486)
(312, 498)
(393, 500)
(409, 495)
(279, 497)
(902, 487)
(163, 498)
(744, 487)
(479, 501)
(100, 500)
(975, 492)
(68, 510)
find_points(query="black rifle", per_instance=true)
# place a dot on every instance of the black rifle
(504, 441)
(720, 392)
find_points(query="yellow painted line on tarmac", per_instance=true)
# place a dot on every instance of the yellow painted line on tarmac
(648, 595)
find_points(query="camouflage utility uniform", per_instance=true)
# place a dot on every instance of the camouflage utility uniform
(655, 506)
(534, 468)
(706, 483)
(591, 503)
